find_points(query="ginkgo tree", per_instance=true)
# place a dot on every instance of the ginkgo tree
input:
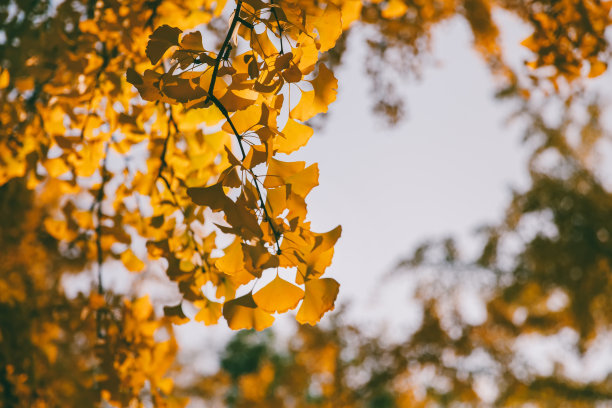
(150, 121)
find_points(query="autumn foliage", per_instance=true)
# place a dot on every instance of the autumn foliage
(153, 133)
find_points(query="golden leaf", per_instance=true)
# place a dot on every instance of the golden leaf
(319, 298)
(233, 261)
(329, 26)
(131, 261)
(279, 172)
(278, 296)
(243, 313)
(304, 181)
(316, 101)
(209, 313)
(294, 136)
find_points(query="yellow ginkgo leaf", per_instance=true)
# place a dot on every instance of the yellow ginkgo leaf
(276, 200)
(278, 296)
(319, 298)
(131, 261)
(233, 261)
(243, 313)
(294, 136)
(304, 181)
(280, 171)
(244, 120)
(329, 26)
(209, 313)
(316, 101)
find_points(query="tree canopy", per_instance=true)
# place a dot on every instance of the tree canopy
(154, 130)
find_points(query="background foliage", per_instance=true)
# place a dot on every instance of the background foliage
(135, 131)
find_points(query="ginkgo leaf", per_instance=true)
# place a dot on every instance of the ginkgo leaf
(304, 181)
(319, 298)
(176, 314)
(294, 136)
(277, 200)
(213, 196)
(278, 296)
(162, 38)
(256, 155)
(243, 220)
(131, 261)
(233, 261)
(317, 101)
(209, 312)
(329, 27)
(244, 120)
(182, 90)
(280, 171)
(192, 41)
(243, 313)
(147, 85)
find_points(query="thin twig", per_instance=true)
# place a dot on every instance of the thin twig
(280, 29)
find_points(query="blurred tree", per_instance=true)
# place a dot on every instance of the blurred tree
(542, 275)
(119, 128)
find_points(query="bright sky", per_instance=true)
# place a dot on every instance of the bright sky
(447, 169)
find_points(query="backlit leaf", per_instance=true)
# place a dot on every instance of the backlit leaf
(243, 313)
(319, 298)
(317, 101)
(278, 296)
(162, 38)
(192, 41)
(294, 136)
